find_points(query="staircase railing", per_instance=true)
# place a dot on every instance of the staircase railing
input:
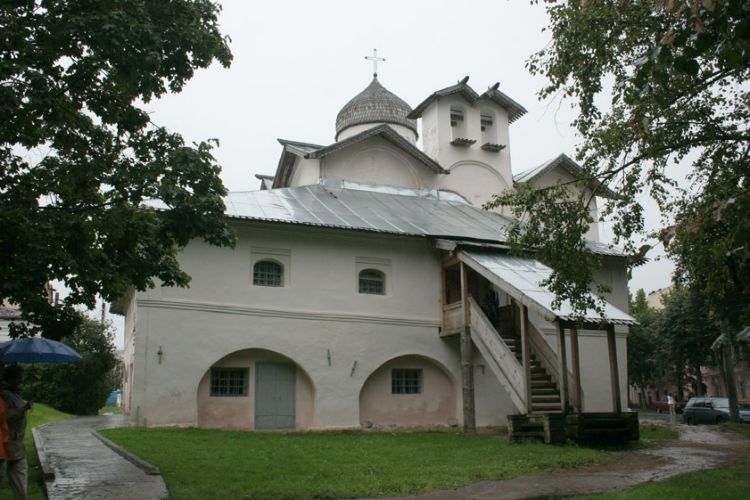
(548, 359)
(500, 358)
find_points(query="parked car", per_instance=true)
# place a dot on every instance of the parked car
(745, 413)
(663, 407)
(706, 410)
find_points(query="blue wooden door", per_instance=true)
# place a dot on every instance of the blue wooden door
(274, 395)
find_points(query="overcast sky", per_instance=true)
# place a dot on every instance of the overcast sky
(296, 63)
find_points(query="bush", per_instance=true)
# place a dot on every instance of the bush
(79, 388)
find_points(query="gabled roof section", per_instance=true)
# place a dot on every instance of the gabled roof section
(461, 88)
(292, 150)
(387, 133)
(266, 181)
(564, 162)
(515, 110)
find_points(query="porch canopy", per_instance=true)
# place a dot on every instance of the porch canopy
(520, 278)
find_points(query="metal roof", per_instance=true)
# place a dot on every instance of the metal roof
(338, 204)
(375, 104)
(521, 277)
(572, 167)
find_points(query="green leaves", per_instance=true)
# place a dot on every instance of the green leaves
(678, 73)
(79, 157)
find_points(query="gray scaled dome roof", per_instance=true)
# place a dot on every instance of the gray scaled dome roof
(375, 104)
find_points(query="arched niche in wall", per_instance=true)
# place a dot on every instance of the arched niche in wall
(477, 182)
(256, 389)
(408, 391)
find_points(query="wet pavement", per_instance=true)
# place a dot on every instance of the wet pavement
(84, 467)
(699, 447)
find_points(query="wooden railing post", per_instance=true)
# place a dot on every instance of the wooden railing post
(563, 367)
(525, 354)
(614, 373)
(578, 397)
(467, 365)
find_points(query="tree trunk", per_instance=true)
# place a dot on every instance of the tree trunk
(727, 352)
(698, 381)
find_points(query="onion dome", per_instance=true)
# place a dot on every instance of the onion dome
(375, 104)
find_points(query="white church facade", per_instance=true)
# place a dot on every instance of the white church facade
(368, 288)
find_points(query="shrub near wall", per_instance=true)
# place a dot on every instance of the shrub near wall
(78, 388)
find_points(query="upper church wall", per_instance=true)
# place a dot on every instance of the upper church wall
(377, 161)
(306, 172)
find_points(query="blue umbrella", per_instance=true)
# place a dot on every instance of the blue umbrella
(37, 350)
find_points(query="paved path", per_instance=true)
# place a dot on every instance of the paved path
(85, 468)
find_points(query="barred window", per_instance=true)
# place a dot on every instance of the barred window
(268, 273)
(457, 116)
(229, 382)
(372, 281)
(406, 381)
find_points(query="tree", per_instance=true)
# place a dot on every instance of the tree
(79, 388)
(643, 346)
(676, 71)
(79, 154)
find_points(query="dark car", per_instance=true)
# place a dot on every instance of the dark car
(705, 410)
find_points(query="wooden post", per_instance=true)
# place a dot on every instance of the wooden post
(562, 356)
(525, 353)
(578, 397)
(467, 365)
(614, 374)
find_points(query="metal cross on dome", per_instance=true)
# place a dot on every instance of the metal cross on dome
(374, 58)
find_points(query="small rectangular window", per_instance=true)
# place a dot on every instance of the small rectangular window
(486, 121)
(231, 382)
(406, 381)
(457, 115)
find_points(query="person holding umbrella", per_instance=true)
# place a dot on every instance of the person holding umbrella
(17, 467)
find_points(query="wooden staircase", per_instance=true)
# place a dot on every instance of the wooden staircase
(545, 393)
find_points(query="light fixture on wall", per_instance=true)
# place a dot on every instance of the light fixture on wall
(160, 353)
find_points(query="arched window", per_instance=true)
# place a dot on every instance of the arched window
(268, 273)
(372, 281)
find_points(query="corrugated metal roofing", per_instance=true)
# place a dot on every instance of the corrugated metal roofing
(426, 213)
(521, 278)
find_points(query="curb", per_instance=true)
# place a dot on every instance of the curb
(41, 455)
(146, 467)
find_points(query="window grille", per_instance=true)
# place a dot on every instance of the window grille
(229, 382)
(372, 281)
(457, 115)
(267, 273)
(406, 381)
(486, 120)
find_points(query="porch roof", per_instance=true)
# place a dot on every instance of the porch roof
(521, 277)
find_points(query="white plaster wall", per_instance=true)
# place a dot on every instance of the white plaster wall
(306, 172)
(320, 311)
(592, 345)
(377, 161)
(403, 131)
(560, 176)
(436, 137)
(476, 182)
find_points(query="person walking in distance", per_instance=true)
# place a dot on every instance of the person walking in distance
(16, 413)
(672, 412)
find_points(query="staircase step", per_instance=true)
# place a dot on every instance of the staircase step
(545, 408)
(544, 391)
(551, 399)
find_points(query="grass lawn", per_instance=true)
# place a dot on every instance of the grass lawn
(114, 410)
(200, 463)
(40, 415)
(657, 432)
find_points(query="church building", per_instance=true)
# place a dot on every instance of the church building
(369, 289)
